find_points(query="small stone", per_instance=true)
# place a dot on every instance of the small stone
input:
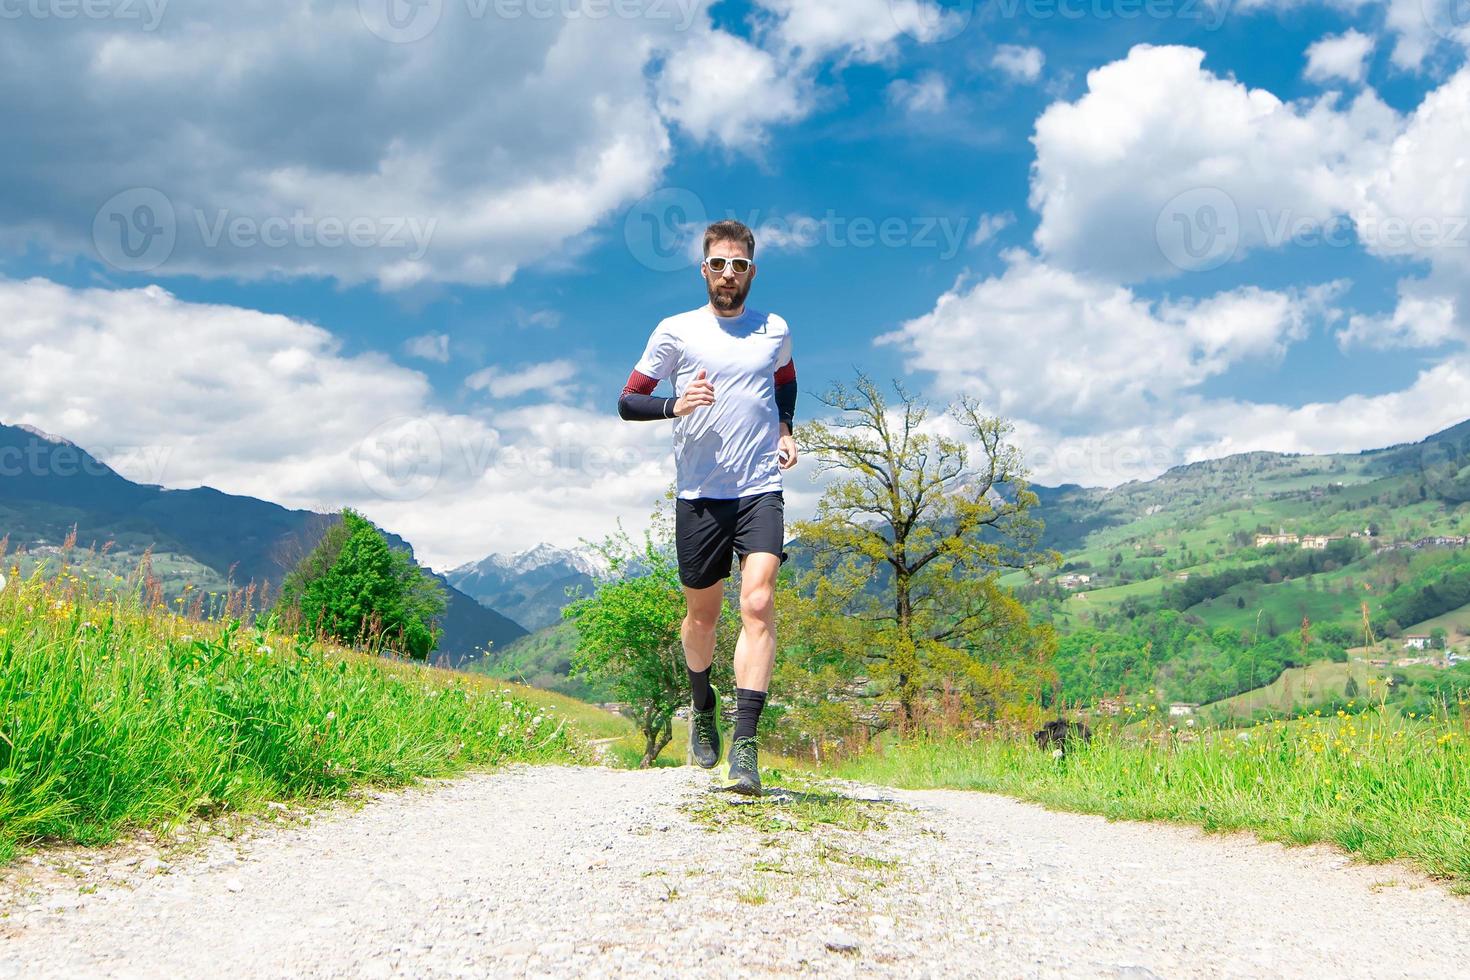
(234, 885)
(153, 866)
(273, 805)
(841, 942)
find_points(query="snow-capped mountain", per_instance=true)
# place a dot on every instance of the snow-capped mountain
(528, 586)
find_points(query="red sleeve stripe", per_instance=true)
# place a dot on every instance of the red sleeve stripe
(640, 384)
(786, 374)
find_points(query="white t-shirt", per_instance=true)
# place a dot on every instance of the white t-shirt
(728, 449)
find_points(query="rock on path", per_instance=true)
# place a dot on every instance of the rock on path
(567, 871)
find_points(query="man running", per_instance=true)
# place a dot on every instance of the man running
(735, 398)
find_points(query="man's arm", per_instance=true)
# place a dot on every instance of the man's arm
(638, 402)
(786, 411)
(786, 395)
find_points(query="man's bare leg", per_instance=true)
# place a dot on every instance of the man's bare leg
(702, 614)
(755, 650)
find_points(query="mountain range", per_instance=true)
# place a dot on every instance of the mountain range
(529, 586)
(201, 536)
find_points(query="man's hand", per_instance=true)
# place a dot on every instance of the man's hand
(787, 449)
(699, 394)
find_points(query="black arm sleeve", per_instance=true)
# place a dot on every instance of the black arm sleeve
(786, 401)
(636, 407)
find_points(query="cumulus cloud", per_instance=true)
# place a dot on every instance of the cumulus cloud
(1198, 429)
(729, 90)
(1081, 352)
(1421, 318)
(238, 140)
(183, 394)
(991, 225)
(429, 346)
(927, 94)
(550, 377)
(858, 30)
(1130, 183)
(1022, 64)
(1339, 57)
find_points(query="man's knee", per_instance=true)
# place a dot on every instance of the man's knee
(757, 604)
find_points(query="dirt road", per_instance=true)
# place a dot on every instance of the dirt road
(589, 871)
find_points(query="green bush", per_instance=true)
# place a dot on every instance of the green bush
(356, 589)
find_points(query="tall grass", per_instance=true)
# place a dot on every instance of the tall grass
(118, 714)
(1377, 785)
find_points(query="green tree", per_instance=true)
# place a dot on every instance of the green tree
(907, 545)
(355, 588)
(628, 635)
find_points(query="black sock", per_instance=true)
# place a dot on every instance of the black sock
(748, 707)
(704, 697)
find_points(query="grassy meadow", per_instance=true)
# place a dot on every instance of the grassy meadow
(1380, 786)
(115, 715)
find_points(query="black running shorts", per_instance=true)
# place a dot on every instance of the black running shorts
(707, 531)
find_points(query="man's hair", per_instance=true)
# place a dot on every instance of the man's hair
(729, 230)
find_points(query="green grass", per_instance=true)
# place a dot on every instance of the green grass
(114, 717)
(1377, 786)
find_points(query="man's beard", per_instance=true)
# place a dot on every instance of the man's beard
(732, 300)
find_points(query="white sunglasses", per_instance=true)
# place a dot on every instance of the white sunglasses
(716, 264)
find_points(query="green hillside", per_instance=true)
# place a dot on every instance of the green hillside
(1182, 598)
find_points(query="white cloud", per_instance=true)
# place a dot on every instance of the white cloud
(729, 90)
(1342, 56)
(928, 94)
(1161, 160)
(549, 377)
(1195, 429)
(860, 30)
(1022, 64)
(183, 394)
(429, 346)
(1080, 352)
(1417, 27)
(991, 225)
(302, 144)
(1421, 318)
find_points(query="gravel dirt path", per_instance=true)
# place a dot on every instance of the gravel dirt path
(567, 871)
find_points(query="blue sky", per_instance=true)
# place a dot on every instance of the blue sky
(406, 263)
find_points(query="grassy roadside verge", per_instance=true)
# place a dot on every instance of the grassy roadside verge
(114, 717)
(1379, 787)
